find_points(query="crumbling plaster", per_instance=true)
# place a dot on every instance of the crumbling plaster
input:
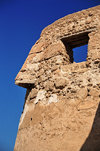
(62, 98)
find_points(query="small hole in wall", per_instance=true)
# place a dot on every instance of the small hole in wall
(31, 118)
(76, 47)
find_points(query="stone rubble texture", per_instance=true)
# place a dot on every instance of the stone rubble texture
(61, 110)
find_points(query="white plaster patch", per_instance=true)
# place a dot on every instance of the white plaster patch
(40, 96)
(59, 60)
(38, 56)
(26, 108)
(63, 72)
(34, 66)
(53, 98)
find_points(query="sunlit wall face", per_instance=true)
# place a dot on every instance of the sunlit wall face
(21, 22)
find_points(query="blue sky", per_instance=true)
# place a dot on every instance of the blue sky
(21, 22)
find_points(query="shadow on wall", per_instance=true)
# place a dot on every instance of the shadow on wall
(92, 143)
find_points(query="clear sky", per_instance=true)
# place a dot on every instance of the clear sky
(21, 22)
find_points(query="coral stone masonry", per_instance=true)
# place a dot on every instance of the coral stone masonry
(61, 110)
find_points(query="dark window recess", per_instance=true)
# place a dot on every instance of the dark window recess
(76, 47)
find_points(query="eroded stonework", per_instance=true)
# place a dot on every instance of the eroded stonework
(61, 110)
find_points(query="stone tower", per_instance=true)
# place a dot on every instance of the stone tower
(61, 110)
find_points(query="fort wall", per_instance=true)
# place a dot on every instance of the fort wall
(61, 110)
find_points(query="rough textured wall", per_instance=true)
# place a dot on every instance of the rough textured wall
(61, 110)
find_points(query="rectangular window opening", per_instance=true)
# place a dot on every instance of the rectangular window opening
(80, 54)
(76, 47)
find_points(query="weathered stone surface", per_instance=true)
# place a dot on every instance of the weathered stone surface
(60, 83)
(82, 93)
(94, 92)
(62, 109)
(33, 93)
